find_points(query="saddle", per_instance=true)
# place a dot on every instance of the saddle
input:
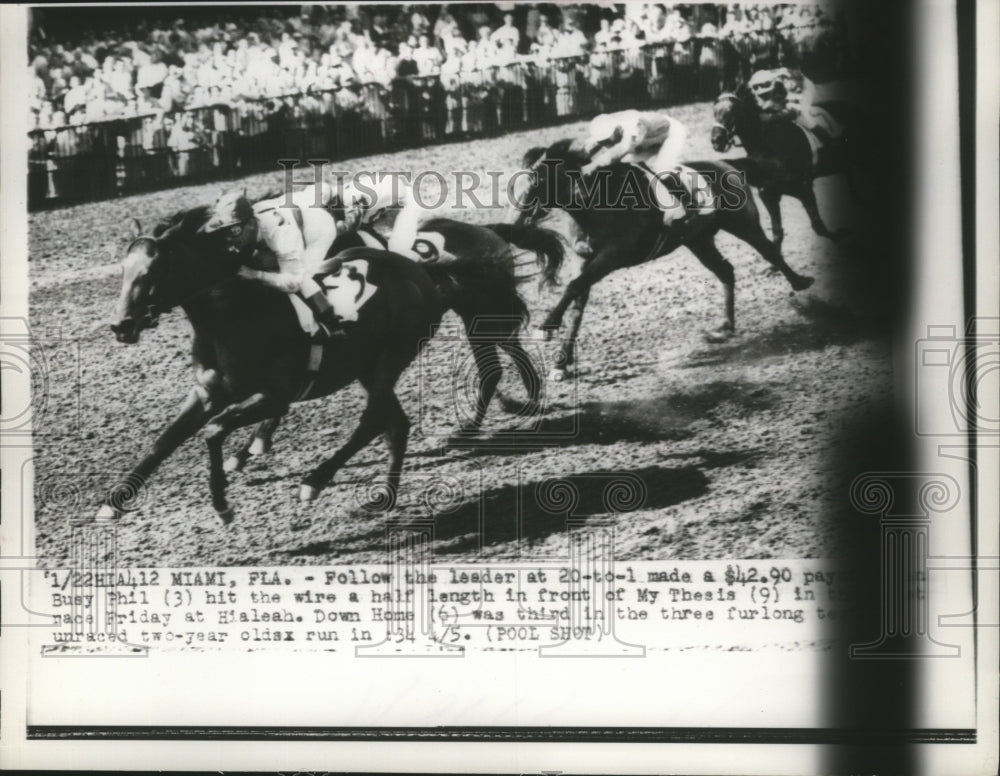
(687, 184)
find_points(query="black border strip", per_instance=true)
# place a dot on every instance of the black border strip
(651, 735)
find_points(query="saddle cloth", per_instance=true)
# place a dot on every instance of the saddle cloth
(697, 186)
(347, 288)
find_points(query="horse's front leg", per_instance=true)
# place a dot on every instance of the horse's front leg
(258, 444)
(566, 360)
(259, 407)
(771, 197)
(553, 320)
(194, 413)
(607, 260)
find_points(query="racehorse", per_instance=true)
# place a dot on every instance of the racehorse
(625, 236)
(492, 322)
(253, 360)
(779, 157)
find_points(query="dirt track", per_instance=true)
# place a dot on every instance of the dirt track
(731, 443)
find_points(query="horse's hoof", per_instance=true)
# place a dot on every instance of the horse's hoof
(560, 373)
(802, 282)
(226, 515)
(547, 331)
(259, 446)
(106, 511)
(233, 464)
(718, 336)
(307, 493)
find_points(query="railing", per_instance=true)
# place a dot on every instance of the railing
(128, 155)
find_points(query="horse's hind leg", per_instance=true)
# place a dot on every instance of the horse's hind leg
(396, 435)
(379, 414)
(489, 371)
(526, 370)
(258, 443)
(807, 196)
(750, 231)
(706, 252)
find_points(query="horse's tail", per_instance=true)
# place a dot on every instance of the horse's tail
(546, 244)
(484, 292)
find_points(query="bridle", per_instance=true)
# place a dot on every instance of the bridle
(530, 216)
(151, 316)
(731, 137)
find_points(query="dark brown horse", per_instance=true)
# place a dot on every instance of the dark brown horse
(493, 319)
(252, 360)
(616, 208)
(780, 159)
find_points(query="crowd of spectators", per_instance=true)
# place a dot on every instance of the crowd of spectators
(143, 69)
(150, 99)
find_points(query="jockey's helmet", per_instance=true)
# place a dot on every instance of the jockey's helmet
(762, 82)
(231, 209)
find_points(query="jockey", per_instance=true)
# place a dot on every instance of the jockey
(297, 235)
(640, 136)
(782, 92)
(365, 202)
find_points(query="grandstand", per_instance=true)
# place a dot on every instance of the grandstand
(126, 99)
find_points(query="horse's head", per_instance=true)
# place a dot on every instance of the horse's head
(163, 269)
(139, 303)
(545, 182)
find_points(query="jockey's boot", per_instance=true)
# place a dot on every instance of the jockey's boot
(824, 136)
(327, 319)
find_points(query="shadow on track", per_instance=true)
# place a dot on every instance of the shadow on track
(530, 511)
(827, 325)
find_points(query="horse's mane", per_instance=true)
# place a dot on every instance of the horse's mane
(188, 220)
(561, 149)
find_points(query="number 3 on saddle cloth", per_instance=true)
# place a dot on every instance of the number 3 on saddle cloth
(345, 288)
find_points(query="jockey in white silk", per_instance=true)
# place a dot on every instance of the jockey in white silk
(370, 197)
(297, 234)
(785, 91)
(648, 137)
